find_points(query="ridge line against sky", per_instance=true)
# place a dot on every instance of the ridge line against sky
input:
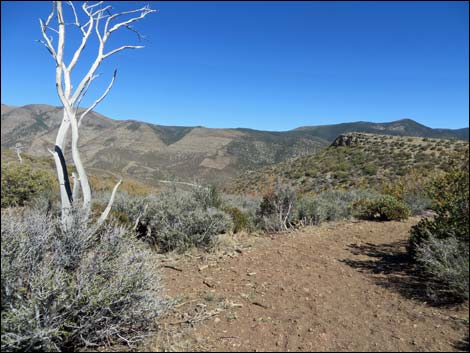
(264, 65)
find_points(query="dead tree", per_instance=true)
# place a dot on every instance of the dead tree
(18, 148)
(100, 22)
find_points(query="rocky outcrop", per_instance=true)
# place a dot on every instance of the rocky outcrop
(347, 140)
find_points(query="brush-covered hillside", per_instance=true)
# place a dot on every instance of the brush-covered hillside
(151, 153)
(36, 175)
(358, 160)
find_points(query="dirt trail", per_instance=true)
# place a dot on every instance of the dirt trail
(338, 287)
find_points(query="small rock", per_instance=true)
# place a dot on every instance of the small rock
(217, 320)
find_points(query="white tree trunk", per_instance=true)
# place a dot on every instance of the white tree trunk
(85, 185)
(61, 168)
(71, 98)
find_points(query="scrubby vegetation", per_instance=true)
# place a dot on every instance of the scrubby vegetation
(330, 205)
(410, 189)
(441, 244)
(67, 289)
(276, 210)
(176, 220)
(383, 208)
(21, 183)
(368, 161)
(90, 286)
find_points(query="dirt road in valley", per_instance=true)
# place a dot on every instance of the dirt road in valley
(337, 287)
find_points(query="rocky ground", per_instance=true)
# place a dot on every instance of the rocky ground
(337, 287)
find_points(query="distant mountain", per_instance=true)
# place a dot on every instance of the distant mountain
(403, 127)
(356, 160)
(149, 152)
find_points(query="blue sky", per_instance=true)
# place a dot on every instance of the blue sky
(263, 65)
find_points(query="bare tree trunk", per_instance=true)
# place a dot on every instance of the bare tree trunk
(71, 99)
(61, 168)
(85, 185)
(18, 153)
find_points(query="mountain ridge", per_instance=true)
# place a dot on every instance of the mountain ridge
(149, 152)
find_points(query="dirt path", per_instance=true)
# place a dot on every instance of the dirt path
(338, 287)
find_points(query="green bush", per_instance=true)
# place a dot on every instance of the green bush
(370, 169)
(410, 188)
(440, 245)
(20, 183)
(384, 208)
(61, 290)
(450, 201)
(241, 221)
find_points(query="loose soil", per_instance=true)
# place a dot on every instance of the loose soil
(336, 287)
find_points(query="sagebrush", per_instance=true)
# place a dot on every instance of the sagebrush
(176, 220)
(67, 289)
(440, 245)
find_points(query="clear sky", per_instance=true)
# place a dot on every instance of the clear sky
(264, 65)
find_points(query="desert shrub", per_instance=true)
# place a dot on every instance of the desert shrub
(384, 208)
(447, 261)
(241, 221)
(207, 197)
(329, 205)
(20, 183)
(245, 217)
(64, 289)
(175, 220)
(246, 203)
(276, 210)
(441, 244)
(450, 201)
(410, 188)
(370, 169)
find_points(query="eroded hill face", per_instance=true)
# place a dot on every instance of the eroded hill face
(150, 153)
(358, 160)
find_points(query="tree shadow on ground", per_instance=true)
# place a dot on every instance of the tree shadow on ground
(463, 345)
(393, 268)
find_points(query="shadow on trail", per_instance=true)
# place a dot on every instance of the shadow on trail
(463, 345)
(391, 267)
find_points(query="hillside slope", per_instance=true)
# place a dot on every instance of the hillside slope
(357, 160)
(149, 152)
(403, 127)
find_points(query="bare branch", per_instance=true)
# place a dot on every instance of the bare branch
(98, 100)
(139, 35)
(49, 48)
(112, 17)
(122, 48)
(105, 213)
(48, 42)
(92, 6)
(144, 12)
(86, 35)
(77, 23)
(53, 30)
(84, 92)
